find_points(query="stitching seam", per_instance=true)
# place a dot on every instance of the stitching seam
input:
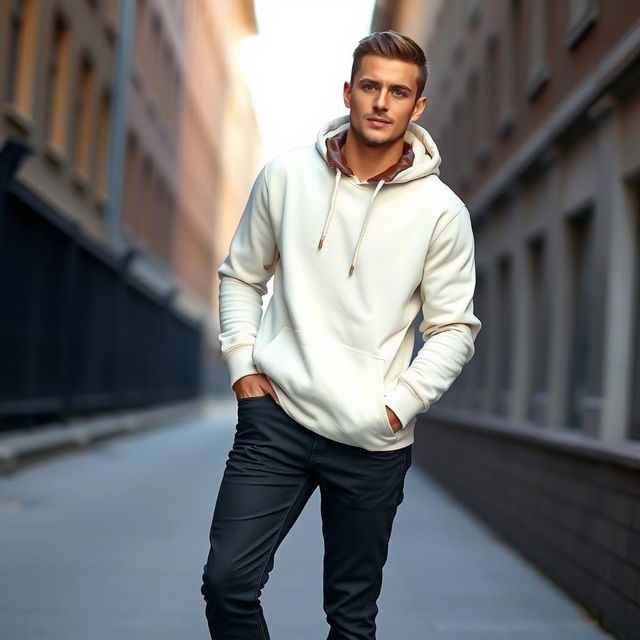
(255, 597)
(457, 213)
(235, 346)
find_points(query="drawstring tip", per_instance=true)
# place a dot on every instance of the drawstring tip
(320, 243)
(351, 269)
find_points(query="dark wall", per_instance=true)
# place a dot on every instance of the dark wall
(78, 333)
(570, 506)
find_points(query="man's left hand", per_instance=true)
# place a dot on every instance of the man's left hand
(396, 425)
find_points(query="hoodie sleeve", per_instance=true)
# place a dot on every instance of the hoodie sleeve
(449, 327)
(250, 263)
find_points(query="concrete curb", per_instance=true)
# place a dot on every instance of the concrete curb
(18, 448)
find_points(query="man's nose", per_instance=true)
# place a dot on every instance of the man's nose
(381, 101)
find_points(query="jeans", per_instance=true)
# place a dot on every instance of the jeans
(272, 470)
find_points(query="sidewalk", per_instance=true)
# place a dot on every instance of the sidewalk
(20, 446)
(465, 582)
(448, 577)
(146, 503)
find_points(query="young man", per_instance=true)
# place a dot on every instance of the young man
(361, 235)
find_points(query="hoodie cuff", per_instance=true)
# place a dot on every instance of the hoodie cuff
(404, 402)
(240, 363)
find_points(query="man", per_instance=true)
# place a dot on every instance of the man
(361, 234)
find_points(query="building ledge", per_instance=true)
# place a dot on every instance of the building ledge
(569, 440)
(55, 154)
(537, 82)
(19, 118)
(581, 26)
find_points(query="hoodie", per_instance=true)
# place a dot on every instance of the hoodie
(353, 264)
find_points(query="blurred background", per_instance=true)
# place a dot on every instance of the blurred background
(131, 132)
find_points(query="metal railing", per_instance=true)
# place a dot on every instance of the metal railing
(78, 333)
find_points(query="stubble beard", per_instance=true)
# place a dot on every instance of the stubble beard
(372, 142)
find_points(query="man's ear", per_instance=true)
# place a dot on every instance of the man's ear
(346, 94)
(419, 108)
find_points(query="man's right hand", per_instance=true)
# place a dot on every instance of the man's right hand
(252, 385)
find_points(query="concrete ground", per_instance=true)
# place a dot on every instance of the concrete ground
(109, 542)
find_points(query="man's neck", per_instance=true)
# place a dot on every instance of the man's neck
(366, 161)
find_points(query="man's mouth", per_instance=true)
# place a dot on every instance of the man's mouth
(379, 121)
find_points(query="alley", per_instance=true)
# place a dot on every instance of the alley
(110, 542)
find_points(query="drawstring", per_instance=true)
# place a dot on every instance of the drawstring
(332, 209)
(364, 224)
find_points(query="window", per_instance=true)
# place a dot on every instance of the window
(152, 229)
(539, 330)
(155, 57)
(16, 34)
(132, 198)
(538, 65)
(102, 161)
(511, 66)
(83, 117)
(581, 306)
(144, 206)
(582, 15)
(456, 152)
(140, 34)
(634, 430)
(167, 224)
(473, 135)
(478, 363)
(490, 98)
(515, 42)
(22, 55)
(504, 331)
(466, 125)
(58, 84)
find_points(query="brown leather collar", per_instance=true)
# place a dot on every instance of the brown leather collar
(335, 158)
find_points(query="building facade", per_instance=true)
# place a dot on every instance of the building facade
(57, 81)
(535, 107)
(112, 164)
(192, 145)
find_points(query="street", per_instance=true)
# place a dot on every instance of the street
(110, 543)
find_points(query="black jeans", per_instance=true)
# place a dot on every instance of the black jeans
(271, 472)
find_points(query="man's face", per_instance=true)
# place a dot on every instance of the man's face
(382, 99)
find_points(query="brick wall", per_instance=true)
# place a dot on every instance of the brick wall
(569, 504)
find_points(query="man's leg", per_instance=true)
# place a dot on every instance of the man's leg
(360, 492)
(265, 486)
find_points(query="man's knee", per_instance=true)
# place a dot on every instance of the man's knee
(224, 584)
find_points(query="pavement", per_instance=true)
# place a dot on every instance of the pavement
(107, 539)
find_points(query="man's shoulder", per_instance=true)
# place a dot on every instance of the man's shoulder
(294, 159)
(439, 194)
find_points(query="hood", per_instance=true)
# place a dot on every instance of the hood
(420, 158)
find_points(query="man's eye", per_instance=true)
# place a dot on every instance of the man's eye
(400, 92)
(367, 86)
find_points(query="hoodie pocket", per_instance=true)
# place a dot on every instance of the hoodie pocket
(328, 386)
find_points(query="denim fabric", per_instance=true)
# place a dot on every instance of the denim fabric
(272, 470)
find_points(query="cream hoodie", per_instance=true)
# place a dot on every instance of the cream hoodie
(336, 340)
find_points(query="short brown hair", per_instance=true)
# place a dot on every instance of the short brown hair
(393, 45)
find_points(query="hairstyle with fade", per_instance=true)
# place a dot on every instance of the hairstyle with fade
(395, 46)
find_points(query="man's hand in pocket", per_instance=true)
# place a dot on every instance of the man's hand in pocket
(396, 425)
(252, 385)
